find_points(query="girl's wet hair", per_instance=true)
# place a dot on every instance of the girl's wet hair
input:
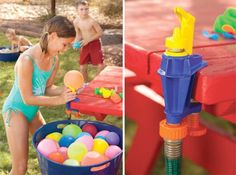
(59, 24)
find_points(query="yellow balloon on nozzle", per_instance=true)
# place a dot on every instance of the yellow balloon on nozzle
(181, 42)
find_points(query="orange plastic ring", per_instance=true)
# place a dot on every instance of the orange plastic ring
(173, 132)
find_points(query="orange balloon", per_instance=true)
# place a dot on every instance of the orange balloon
(115, 98)
(93, 158)
(57, 157)
(74, 80)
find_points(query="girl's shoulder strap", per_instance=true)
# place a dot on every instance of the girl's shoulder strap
(30, 57)
(54, 62)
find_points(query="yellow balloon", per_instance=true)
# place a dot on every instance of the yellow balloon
(100, 145)
(101, 90)
(54, 136)
(71, 162)
(106, 93)
(77, 151)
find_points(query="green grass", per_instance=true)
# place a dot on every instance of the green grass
(218, 123)
(68, 61)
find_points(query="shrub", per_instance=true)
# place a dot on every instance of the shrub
(109, 8)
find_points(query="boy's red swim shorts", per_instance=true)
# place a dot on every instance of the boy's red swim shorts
(91, 53)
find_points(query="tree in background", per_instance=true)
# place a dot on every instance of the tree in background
(53, 7)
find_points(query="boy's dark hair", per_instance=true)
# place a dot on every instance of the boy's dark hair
(59, 24)
(81, 2)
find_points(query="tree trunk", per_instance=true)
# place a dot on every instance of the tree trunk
(53, 7)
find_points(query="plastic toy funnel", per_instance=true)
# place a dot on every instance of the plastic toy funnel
(178, 69)
(177, 75)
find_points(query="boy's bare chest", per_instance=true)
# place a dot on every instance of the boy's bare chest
(19, 41)
(85, 26)
(15, 42)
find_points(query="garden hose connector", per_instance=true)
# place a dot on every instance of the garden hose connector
(173, 132)
(173, 135)
(189, 126)
(173, 149)
(181, 42)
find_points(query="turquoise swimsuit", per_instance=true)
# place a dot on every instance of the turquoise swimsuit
(14, 101)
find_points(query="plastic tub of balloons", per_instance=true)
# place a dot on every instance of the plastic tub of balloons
(78, 147)
(7, 55)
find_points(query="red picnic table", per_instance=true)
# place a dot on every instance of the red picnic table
(91, 104)
(148, 23)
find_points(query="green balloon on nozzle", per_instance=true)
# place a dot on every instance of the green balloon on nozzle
(226, 22)
(97, 91)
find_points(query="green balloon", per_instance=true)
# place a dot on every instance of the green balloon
(97, 91)
(228, 18)
(121, 95)
(72, 130)
(77, 151)
(71, 162)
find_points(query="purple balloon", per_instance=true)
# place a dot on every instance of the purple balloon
(112, 138)
(112, 151)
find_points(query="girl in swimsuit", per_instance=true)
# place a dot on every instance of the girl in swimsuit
(35, 71)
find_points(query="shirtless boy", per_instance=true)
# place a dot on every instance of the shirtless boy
(17, 42)
(88, 33)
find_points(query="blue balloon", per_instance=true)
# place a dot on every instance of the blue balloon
(213, 36)
(76, 45)
(66, 140)
(100, 137)
(228, 35)
(82, 134)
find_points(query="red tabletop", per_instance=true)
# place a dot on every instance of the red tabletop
(148, 23)
(110, 77)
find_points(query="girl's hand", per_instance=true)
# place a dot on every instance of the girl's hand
(67, 96)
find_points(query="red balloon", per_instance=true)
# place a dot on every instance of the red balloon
(91, 129)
